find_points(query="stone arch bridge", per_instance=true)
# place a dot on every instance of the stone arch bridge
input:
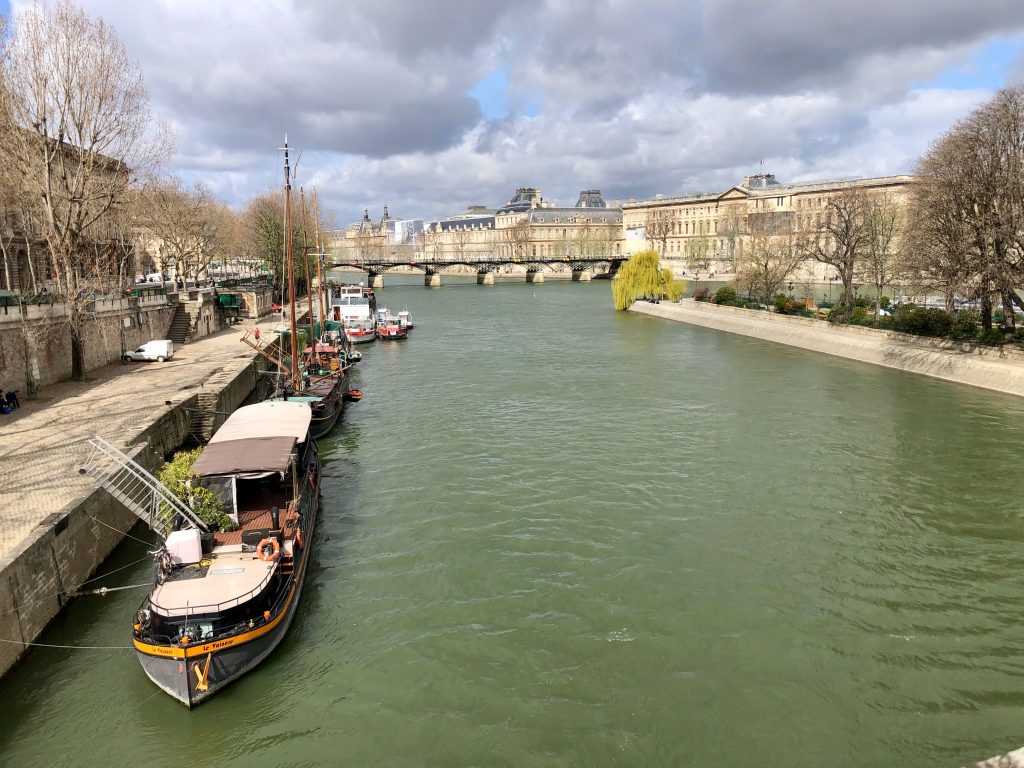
(534, 269)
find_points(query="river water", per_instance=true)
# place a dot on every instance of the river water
(554, 534)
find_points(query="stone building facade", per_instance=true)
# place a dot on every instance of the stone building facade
(525, 228)
(700, 235)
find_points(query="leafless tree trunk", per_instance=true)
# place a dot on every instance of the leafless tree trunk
(76, 122)
(658, 226)
(967, 209)
(880, 263)
(698, 256)
(518, 237)
(767, 255)
(841, 237)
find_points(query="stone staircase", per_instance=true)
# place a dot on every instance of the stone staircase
(183, 324)
(180, 326)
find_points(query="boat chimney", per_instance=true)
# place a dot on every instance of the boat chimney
(275, 518)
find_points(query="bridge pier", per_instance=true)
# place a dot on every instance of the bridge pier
(535, 277)
(432, 280)
(581, 276)
(376, 281)
(485, 278)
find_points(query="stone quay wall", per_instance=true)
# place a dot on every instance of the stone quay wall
(1000, 369)
(39, 573)
(39, 342)
(36, 577)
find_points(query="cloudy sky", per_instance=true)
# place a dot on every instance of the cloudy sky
(432, 106)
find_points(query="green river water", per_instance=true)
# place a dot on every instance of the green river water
(558, 535)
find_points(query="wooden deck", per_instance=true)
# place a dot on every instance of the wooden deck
(254, 514)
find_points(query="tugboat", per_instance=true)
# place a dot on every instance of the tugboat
(388, 327)
(222, 601)
(360, 331)
(405, 319)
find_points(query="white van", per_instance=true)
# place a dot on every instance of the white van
(160, 350)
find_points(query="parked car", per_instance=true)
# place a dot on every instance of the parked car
(159, 350)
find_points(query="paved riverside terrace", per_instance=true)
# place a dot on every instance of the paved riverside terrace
(43, 443)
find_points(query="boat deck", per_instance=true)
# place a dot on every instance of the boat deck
(224, 579)
(228, 576)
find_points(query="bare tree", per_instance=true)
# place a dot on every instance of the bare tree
(967, 207)
(880, 262)
(75, 118)
(768, 254)
(605, 238)
(731, 230)
(517, 237)
(699, 253)
(461, 237)
(263, 220)
(182, 224)
(433, 237)
(658, 224)
(840, 237)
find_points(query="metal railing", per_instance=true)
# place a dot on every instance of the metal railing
(141, 493)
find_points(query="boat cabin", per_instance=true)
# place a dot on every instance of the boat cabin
(260, 464)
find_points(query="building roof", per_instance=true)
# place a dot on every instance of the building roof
(765, 185)
(591, 198)
(574, 215)
(467, 222)
(524, 199)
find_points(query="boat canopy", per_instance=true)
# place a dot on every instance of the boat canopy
(255, 438)
(268, 419)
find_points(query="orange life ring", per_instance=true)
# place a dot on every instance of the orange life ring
(298, 538)
(268, 556)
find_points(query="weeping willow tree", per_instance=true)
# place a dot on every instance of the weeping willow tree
(642, 277)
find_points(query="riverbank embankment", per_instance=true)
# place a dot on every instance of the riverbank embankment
(1000, 369)
(58, 527)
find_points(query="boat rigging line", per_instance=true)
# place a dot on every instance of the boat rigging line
(69, 647)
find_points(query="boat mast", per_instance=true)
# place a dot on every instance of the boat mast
(291, 270)
(305, 266)
(319, 262)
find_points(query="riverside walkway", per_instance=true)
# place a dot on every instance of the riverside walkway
(43, 443)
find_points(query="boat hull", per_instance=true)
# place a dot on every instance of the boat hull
(322, 423)
(364, 338)
(216, 669)
(193, 674)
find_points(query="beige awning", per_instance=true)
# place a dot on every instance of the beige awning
(270, 419)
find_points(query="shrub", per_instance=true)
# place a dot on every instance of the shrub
(886, 302)
(805, 312)
(726, 295)
(859, 315)
(204, 502)
(922, 321)
(839, 314)
(965, 325)
(700, 293)
(937, 322)
(993, 337)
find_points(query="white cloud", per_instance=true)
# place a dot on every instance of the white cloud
(632, 97)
